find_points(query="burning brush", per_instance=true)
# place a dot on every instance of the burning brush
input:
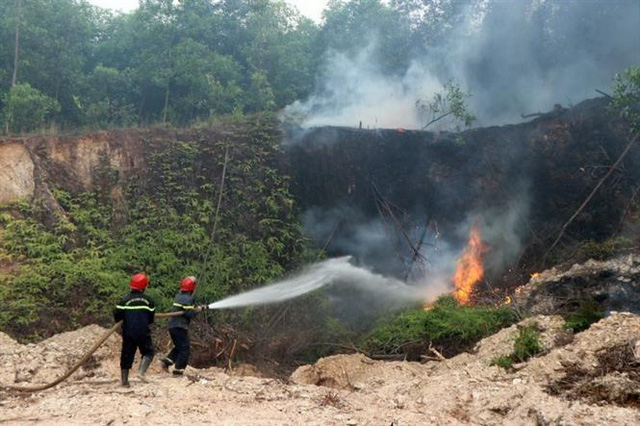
(469, 270)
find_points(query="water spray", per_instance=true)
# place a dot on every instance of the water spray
(337, 271)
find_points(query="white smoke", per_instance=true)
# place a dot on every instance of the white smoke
(354, 92)
(511, 60)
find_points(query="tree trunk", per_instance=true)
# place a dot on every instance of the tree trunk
(166, 93)
(166, 102)
(16, 53)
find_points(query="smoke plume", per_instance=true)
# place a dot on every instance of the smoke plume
(514, 57)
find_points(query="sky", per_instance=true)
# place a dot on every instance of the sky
(310, 8)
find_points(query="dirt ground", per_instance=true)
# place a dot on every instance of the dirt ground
(343, 389)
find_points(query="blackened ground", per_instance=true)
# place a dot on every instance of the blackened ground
(549, 164)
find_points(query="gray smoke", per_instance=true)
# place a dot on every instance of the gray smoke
(517, 56)
(354, 91)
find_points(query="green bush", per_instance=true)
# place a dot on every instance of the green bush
(587, 313)
(503, 361)
(26, 108)
(626, 98)
(448, 325)
(527, 343)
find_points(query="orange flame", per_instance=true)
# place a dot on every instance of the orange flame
(469, 270)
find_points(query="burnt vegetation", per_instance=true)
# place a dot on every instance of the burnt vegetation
(615, 379)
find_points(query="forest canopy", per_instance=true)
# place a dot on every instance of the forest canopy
(182, 61)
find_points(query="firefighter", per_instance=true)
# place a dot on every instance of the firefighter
(179, 327)
(137, 311)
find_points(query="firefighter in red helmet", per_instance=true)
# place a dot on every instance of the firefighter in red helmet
(136, 310)
(179, 327)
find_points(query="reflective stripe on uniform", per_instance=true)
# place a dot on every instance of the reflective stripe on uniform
(178, 305)
(133, 308)
(137, 299)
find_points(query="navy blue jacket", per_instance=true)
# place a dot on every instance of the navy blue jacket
(183, 302)
(137, 312)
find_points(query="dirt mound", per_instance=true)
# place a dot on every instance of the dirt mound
(467, 389)
(591, 380)
(45, 361)
(353, 372)
(7, 344)
(552, 334)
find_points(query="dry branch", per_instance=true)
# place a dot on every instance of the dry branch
(593, 192)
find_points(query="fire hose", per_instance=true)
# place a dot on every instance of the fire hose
(81, 361)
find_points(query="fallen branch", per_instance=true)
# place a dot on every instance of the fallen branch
(604, 94)
(437, 354)
(437, 119)
(593, 192)
(232, 353)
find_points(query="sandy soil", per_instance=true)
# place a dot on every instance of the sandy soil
(338, 390)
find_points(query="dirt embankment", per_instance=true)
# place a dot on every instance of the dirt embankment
(592, 380)
(29, 165)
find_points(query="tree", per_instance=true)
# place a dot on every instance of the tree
(204, 82)
(26, 108)
(260, 94)
(452, 102)
(627, 96)
(105, 101)
(351, 26)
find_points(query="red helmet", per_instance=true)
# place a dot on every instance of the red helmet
(188, 284)
(139, 282)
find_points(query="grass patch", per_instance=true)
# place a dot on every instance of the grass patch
(448, 326)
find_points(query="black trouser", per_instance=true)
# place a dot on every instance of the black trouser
(179, 355)
(129, 347)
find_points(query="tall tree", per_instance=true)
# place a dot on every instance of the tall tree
(16, 54)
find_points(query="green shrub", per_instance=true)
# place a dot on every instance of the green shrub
(602, 250)
(448, 325)
(503, 361)
(587, 313)
(527, 343)
(26, 108)
(626, 98)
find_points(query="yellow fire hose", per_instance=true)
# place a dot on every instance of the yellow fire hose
(82, 360)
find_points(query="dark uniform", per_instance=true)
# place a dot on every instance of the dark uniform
(137, 312)
(179, 332)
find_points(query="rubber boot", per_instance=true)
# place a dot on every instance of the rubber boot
(166, 363)
(125, 378)
(145, 362)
